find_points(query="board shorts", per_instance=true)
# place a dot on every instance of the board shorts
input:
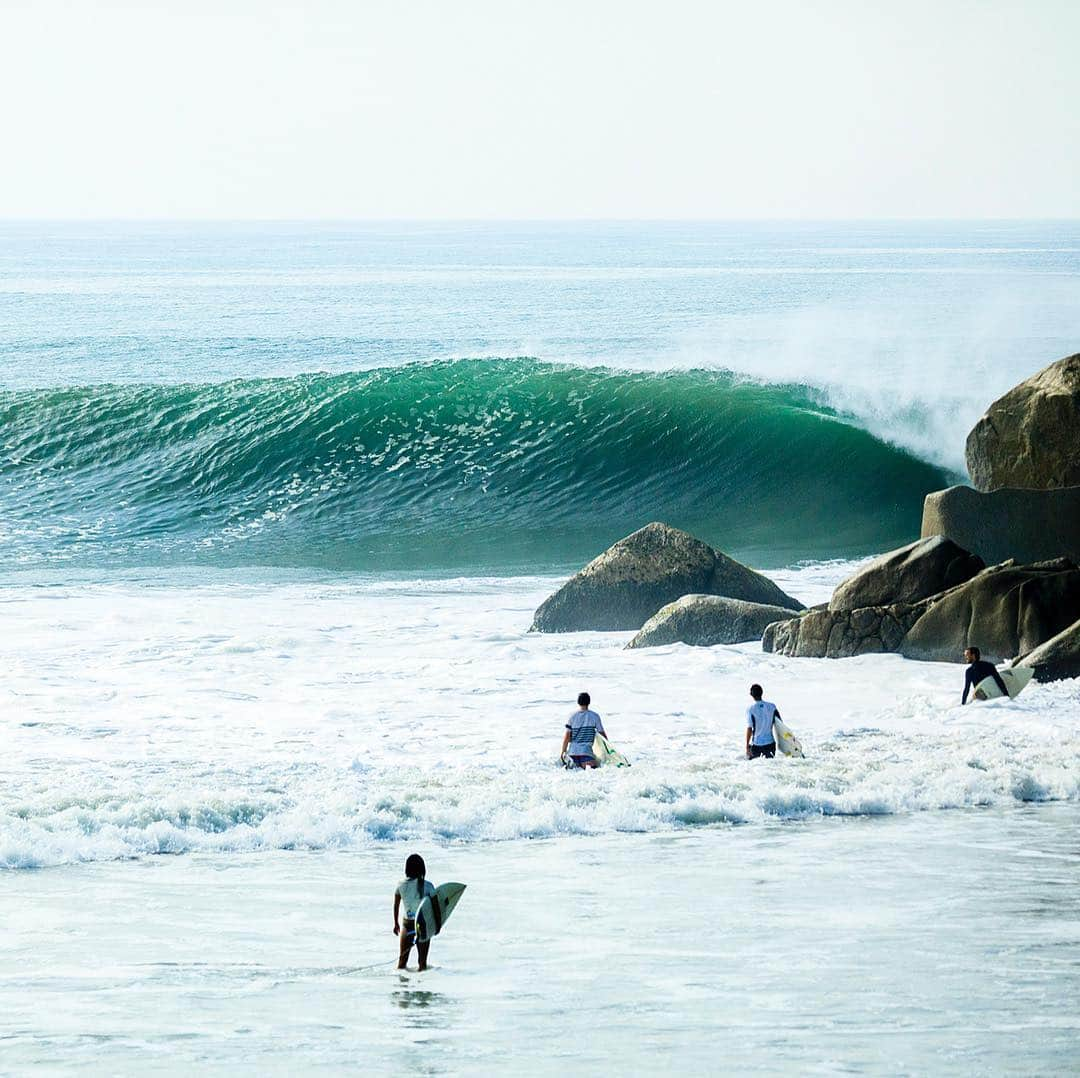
(768, 751)
(585, 761)
(409, 927)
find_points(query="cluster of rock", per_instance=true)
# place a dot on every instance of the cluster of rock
(1008, 610)
(928, 600)
(933, 598)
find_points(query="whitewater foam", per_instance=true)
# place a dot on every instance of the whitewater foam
(166, 717)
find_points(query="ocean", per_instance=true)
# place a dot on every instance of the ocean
(277, 503)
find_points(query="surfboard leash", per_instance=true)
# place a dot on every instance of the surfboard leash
(374, 965)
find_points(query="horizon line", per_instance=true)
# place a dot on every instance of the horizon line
(4, 220)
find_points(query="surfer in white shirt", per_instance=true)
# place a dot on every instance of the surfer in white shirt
(411, 892)
(759, 726)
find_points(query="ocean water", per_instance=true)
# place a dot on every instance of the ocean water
(501, 397)
(276, 506)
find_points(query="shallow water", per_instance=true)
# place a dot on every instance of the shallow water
(945, 944)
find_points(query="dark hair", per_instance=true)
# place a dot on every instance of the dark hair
(756, 691)
(415, 869)
(584, 699)
(974, 651)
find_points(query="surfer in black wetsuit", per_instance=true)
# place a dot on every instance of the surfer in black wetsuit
(978, 669)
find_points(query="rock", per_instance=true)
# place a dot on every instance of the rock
(822, 633)
(1030, 437)
(1006, 610)
(704, 620)
(1028, 525)
(917, 571)
(1058, 658)
(631, 581)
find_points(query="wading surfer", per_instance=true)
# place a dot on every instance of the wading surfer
(759, 726)
(581, 730)
(979, 669)
(411, 892)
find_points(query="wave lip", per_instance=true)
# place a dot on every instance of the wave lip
(464, 462)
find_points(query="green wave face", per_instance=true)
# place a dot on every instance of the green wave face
(482, 464)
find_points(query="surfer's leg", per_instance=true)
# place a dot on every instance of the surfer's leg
(422, 951)
(405, 937)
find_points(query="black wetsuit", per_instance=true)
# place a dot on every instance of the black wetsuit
(976, 672)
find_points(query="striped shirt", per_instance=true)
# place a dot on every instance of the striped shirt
(583, 726)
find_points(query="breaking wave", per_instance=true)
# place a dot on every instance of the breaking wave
(465, 462)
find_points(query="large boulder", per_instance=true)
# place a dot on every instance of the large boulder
(822, 633)
(1030, 437)
(1058, 658)
(1028, 525)
(1006, 610)
(631, 581)
(916, 571)
(705, 620)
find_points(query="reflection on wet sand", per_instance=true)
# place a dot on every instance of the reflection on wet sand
(421, 1000)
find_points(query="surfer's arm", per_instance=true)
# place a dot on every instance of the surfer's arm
(1000, 684)
(397, 906)
(748, 741)
(967, 685)
(566, 739)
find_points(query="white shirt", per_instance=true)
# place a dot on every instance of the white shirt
(583, 726)
(411, 896)
(759, 718)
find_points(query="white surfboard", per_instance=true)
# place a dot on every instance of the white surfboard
(786, 741)
(1015, 678)
(435, 909)
(606, 754)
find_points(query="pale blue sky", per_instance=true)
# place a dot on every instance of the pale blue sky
(328, 109)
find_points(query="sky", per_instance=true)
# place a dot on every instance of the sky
(335, 109)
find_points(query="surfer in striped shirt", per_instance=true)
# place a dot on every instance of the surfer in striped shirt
(581, 730)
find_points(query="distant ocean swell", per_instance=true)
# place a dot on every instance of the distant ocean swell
(459, 463)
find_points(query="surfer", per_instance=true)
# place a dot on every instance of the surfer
(581, 730)
(759, 726)
(411, 892)
(978, 669)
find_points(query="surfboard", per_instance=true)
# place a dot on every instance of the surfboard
(786, 741)
(435, 909)
(1015, 678)
(606, 754)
